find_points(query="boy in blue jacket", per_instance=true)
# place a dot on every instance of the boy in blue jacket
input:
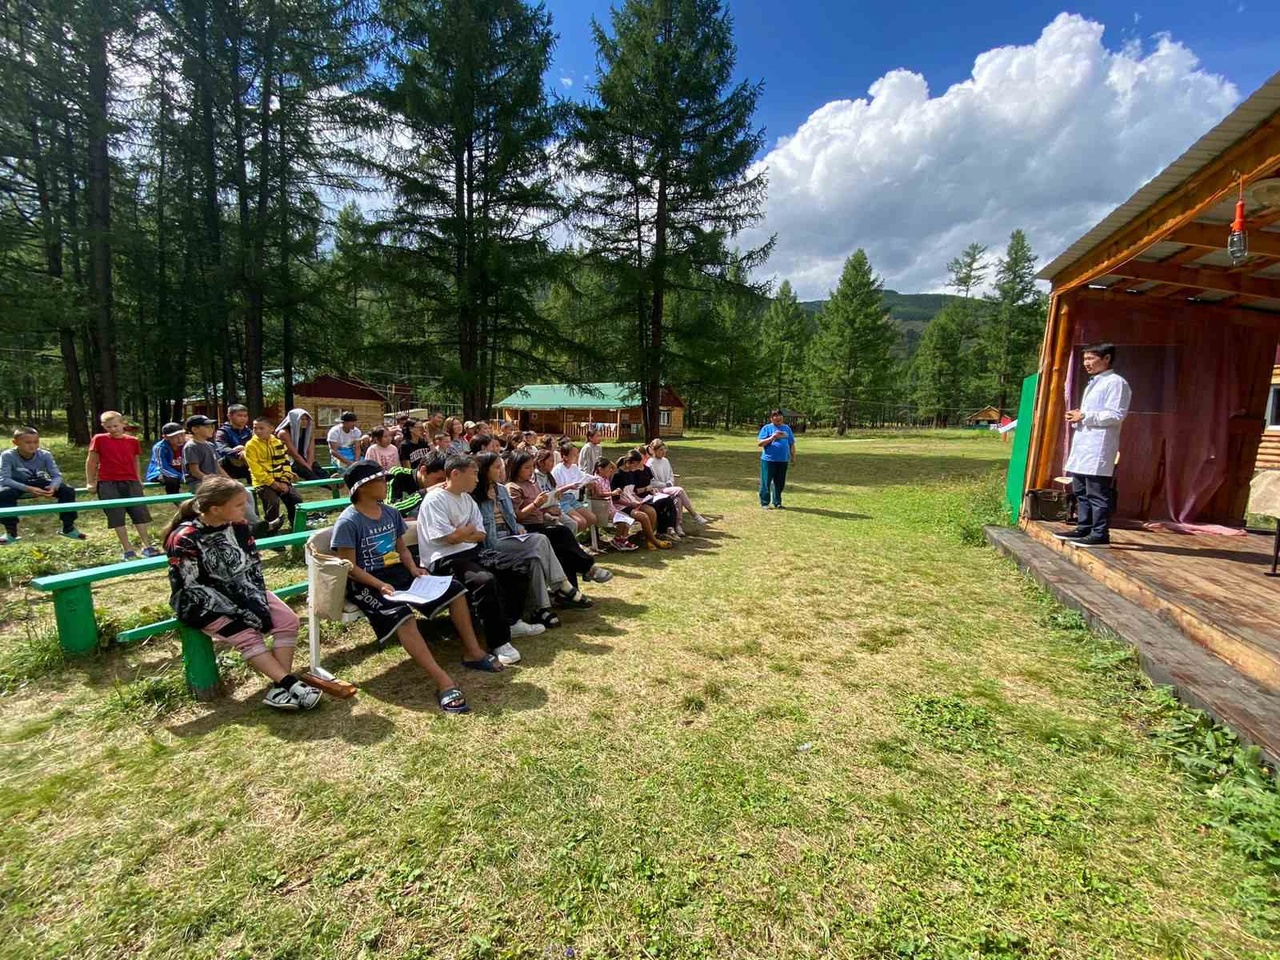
(27, 470)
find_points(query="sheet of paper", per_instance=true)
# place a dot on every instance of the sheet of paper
(422, 590)
(522, 537)
(621, 517)
(659, 497)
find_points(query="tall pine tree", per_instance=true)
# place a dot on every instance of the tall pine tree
(851, 354)
(666, 150)
(785, 334)
(1014, 321)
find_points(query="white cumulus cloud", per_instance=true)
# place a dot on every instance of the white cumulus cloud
(566, 82)
(1047, 137)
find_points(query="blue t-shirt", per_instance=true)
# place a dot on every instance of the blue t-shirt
(780, 450)
(374, 541)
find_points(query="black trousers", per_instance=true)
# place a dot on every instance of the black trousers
(305, 472)
(272, 498)
(64, 494)
(1095, 501)
(482, 587)
(568, 551)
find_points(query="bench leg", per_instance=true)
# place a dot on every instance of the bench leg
(73, 612)
(200, 664)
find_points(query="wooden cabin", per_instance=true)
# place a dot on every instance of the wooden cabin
(327, 397)
(984, 417)
(1269, 447)
(612, 408)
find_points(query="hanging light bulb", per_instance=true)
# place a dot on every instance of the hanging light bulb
(1238, 240)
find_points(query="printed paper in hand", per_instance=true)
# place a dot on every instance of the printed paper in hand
(621, 517)
(659, 497)
(422, 590)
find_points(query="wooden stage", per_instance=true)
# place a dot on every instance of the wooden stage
(1200, 610)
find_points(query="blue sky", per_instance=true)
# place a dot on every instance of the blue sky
(1136, 82)
(809, 52)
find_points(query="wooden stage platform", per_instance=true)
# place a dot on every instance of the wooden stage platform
(1200, 610)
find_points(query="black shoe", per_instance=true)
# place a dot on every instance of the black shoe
(1072, 535)
(1092, 541)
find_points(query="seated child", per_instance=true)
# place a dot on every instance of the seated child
(450, 532)
(30, 471)
(664, 480)
(370, 536)
(407, 485)
(569, 479)
(111, 471)
(591, 452)
(382, 451)
(269, 472)
(605, 508)
(534, 511)
(631, 503)
(634, 478)
(218, 588)
(166, 458)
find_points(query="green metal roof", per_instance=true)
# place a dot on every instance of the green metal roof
(565, 396)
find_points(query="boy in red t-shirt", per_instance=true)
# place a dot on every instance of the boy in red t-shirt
(111, 470)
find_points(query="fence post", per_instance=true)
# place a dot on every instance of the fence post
(73, 612)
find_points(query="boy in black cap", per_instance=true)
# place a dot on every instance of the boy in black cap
(370, 536)
(200, 460)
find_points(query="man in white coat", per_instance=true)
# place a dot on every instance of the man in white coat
(1095, 444)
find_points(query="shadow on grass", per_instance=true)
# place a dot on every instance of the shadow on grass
(332, 719)
(822, 512)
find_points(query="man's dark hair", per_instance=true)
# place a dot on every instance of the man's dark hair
(478, 443)
(459, 461)
(776, 413)
(237, 408)
(433, 462)
(1105, 350)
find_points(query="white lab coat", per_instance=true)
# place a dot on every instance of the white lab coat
(1096, 439)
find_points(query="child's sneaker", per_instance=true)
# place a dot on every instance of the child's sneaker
(305, 695)
(73, 534)
(282, 699)
(522, 629)
(130, 555)
(507, 654)
(701, 520)
(152, 552)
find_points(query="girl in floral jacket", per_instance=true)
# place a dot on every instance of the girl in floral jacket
(218, 588)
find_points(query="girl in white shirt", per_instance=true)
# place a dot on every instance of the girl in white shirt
(569, 478)
(665, 480)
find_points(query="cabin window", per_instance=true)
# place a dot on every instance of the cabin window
(1273, 409)
(664, 418)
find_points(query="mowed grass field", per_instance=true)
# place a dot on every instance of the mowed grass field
(846, 729)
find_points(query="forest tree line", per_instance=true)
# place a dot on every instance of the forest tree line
(219, 198)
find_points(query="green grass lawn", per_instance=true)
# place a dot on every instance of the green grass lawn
(847, 729)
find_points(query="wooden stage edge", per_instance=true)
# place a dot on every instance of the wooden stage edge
(1220, 604)
(1167, 655)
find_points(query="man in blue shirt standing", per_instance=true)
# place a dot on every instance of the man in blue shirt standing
(777, 450)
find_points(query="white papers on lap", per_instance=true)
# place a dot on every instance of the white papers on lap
(422, 590)
(522, 537)
(658, 497)
(621, 517)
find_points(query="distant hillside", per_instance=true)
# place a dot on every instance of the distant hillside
(910, 311)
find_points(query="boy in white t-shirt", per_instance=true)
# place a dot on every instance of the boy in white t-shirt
(344, 441)
(570, 478)
(450, 532)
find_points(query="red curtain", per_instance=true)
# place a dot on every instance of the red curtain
(1192, 375)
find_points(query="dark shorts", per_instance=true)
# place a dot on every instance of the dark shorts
(384, 615)
(120, 490)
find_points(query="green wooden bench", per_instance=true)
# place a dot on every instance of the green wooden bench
(308, 507)
(78, 628)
